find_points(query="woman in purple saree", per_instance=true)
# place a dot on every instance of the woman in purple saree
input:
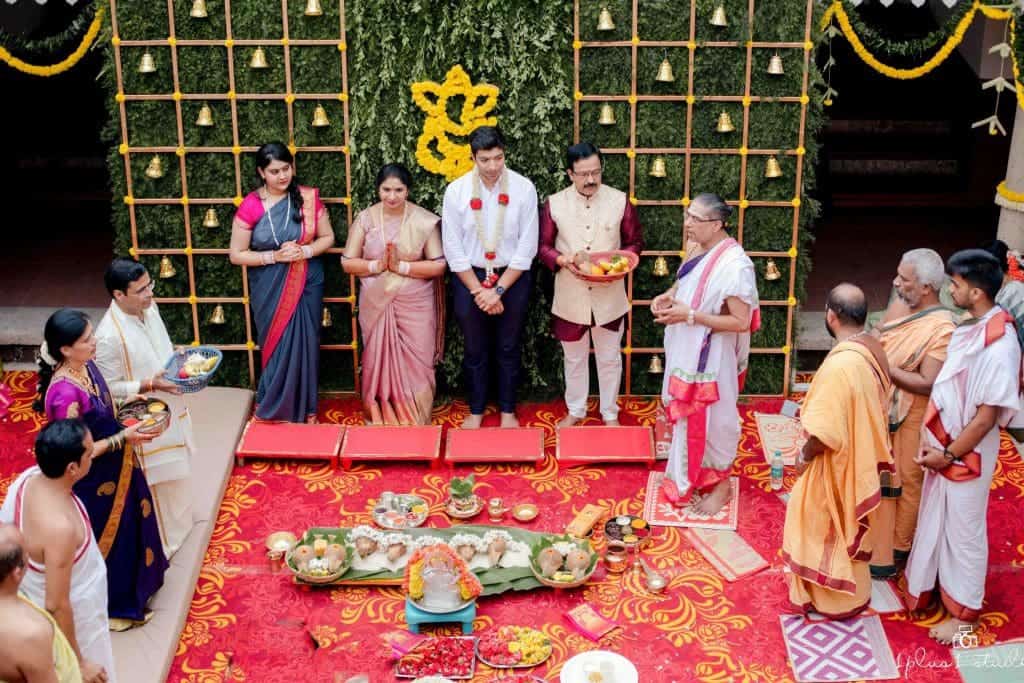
(115, 492)
(279, 232)
(394, 247)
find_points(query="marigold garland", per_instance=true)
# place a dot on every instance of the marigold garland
(62, 66)
(455, 159)
(469, 585)
(838, 12)
(1009, 194)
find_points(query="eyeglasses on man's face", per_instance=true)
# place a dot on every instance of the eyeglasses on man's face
(588, 175)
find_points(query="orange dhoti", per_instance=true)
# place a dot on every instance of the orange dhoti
(825, 542)
(907, 342)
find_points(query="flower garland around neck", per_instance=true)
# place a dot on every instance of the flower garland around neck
(490, 246)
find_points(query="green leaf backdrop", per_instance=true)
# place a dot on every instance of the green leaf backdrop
(522, 46)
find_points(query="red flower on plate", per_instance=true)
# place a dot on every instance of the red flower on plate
(503, 199)
(476, 203)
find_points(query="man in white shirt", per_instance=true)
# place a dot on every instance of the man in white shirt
(489, 230)
(132, 348)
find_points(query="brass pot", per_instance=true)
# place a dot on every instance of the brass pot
(616, 557)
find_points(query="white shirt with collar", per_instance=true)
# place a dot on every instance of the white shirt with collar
(462, 247)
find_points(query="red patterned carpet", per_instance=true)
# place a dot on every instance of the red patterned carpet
(248, 623)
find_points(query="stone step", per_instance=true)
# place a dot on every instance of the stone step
(22, 326)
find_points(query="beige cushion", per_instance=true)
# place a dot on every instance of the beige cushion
(145, 654)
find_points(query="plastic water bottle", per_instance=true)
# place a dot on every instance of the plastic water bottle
(777, 471)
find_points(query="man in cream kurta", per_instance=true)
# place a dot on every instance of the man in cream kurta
(132, 348)
(588, 217)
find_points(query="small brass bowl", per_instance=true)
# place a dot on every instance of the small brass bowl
(525, 512)
(277, 541)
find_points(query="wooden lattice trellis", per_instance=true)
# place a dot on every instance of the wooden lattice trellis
(182, 151)
(688, 151)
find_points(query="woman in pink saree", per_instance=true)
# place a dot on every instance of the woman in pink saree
(394, 247)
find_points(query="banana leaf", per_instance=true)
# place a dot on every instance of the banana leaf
(495, 580)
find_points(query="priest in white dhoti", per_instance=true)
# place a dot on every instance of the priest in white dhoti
(588, 217)
(975, 393)
(132, 348)
(709, 315)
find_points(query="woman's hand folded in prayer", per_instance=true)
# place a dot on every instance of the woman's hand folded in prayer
(289, 252)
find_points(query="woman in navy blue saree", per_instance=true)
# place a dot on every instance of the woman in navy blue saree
(279, 233)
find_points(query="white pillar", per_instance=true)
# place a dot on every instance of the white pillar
(1011, 217)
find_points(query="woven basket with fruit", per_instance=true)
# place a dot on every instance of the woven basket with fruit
(192, 369)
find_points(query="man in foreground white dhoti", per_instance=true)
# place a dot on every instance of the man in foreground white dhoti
(67, 574)
(132, 348)
(709, 314)
(976, 391)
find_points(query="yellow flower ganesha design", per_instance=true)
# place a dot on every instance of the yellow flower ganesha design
(436, 151)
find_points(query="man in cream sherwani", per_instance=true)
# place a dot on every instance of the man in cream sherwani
(587, 217)
(132, 347)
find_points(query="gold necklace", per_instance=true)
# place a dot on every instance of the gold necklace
(81, 378)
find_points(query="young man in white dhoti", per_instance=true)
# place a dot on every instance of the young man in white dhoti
(588, 217)
(709, 314)
(975, 393)
(67, 574)
(132, 348)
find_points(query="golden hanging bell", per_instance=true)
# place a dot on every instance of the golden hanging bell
(198, 9)
(217, 317)
(656, 367)
(604, 20)
(775, 65)
(210, 220)
(771, 271)
(665, 74)
(320, 119)
(718, 17)
(259, 59)
(167, 268)
(326, 320)
(607, 117)
(313, 8)
(205, 118)
(147, 64)
(155, 168)
(772, 168)
(724, 123)
(658, 168)
(660, 267)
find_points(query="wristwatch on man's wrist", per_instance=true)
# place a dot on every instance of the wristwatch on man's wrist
(499, 290)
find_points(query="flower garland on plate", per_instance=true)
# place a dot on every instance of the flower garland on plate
(490, 246)
(469, 585)
(63, 65)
